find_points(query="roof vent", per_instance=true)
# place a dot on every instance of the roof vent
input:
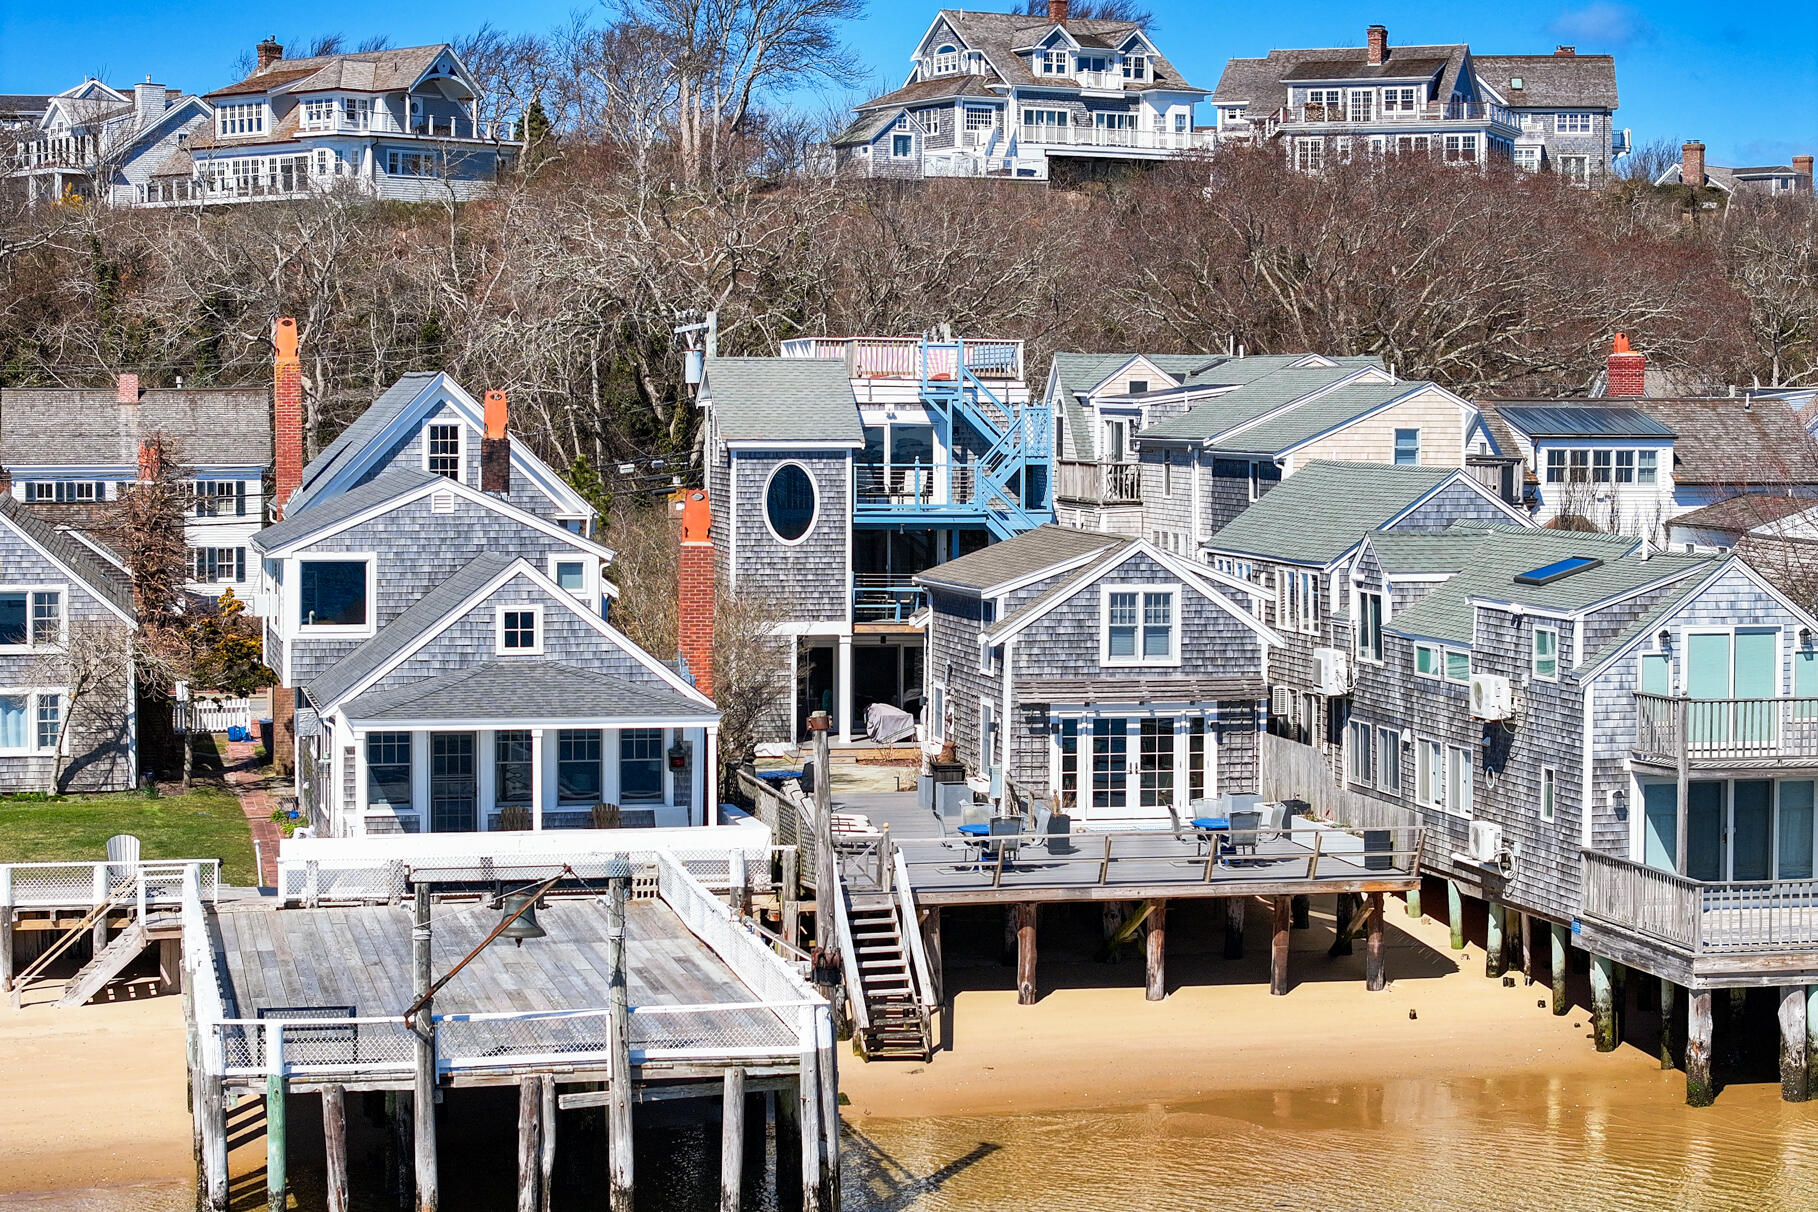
(1546, 574)
(442, 502)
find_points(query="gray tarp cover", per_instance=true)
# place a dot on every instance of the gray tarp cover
(887, 725)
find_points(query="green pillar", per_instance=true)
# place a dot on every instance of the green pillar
(1561, 1004)
(1455, 913)
(1495, 944)
(1603, 1002)
(1414, 901)
(274, 1141)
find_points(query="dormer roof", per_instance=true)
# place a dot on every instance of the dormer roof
(381, 71)
(1549, 81)
(1262, 84)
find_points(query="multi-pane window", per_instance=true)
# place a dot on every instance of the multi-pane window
(65, 492)
(1647, 463)
(1625, 467)
(1399, 102)
(1388, 760)
(1359, 763)
(412, 164)
(1575, 168)
(1297, 600)
(1136, 67)
(1044, 125)
(1432, 661)
(641, 766)
(319, 113)
(902, 146)
(518, 630)
(1369, 626)
(1572, 124)
(1600, 465)
(1068, 741)
(980, 119)
(1578, 465)
(356, 112)
(240, 119)
(1546, 653)
(1461, 149)
(1556, 466)
(1054, 62)
(1110, 763)
(33, 618)
(1155, 755)
(388, 769)
(1407, 446)
(1139, 626)
(50, 720)
(1196, 757)
(215, 565)
(512, 755)
(578, 765)
(220, 498)
(946, 60)
(1310, 154)
(442, 451)
(1363, 105)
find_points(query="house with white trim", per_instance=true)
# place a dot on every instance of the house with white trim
(103, 143)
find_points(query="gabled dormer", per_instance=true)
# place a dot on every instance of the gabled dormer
(943, 51)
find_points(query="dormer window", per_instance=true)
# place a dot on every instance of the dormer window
(246, 118)
(1053, 63)
(946, 60)
(1136, 67)
(975, 62)
(356, 112)
(319, 113)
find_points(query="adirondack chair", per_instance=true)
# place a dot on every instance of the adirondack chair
(122, 857)
(606, 816)
(514, 818)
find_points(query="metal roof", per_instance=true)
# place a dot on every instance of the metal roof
(1582, 421)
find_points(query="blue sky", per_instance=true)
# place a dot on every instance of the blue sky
(1741, 76)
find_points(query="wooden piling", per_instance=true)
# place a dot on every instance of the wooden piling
(546, 1095)
(1669, 1024)
(275, 1157)
(1700, 1091)
(530, 1143)
(618, 1020)
(1795, 1084)
(791, 862)
(213, 1100)
(1344, 909)
(1412, 896)
(400, 1133)
(1527, 948)
(1495, 952)
(1561, 1003)
(1025, 953)
(826, 1073)
(788, 1149)
(1603, 1004)
(1303, 913)
(1375, 978)
(931, 944)
(1234, 927)
(1811, 1027)
(423, 1087)
(732, 1139)
(1278, 946)
(1455, 913)
(334, 1146)
(808, 1101)
(6, 946)
(1155, 984)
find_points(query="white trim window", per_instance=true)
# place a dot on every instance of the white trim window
(356, 113)
(1407, 447)
(31, 619)
(335, 595)
(1576, 169)
(1546, 654)
(1369, 626)
(220, 498)
(937, 722)
(1297, 601)
(1459, 795)
(573, 575)
(518, 629)
(1139, 625)
(1310, 153)
(1429, 784)
(240, 118)
(1388, 760)
(413, 164)
(1450, 664)
(1045, 125)
(1461, 149)
(1572, 124)
(990, 657)
(30, 721)
(319, 113)
(442, 451)
(218, 565)
(946, 59)
(1359, 761)
(1052, 63)
(66, 492)
(1400, 102)
(1549, 787)
(981, 120)
(792, 503)
(1136, 66)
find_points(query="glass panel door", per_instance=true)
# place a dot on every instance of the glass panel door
(1704, 821)
(1660, 837)
(1751, 829)
(1156, 758)
(1110, 763)
(453, 794)
(1795, 858)
(1707, 676)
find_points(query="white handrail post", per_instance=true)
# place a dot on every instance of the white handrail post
(141, 892)
(100, 885)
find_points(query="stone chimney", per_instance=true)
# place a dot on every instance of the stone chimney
(1802, 166)
(149, 102)
(1628, 370)
(287, 415)
(495, 447)
(126, 390)
(1565, 50)
(694, 612)
(1377, 38)
(270, 51)
(1691, 164)
(1057, 11)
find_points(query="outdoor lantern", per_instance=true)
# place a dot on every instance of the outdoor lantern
(1666, 639)
(678, 756)
(526, 924)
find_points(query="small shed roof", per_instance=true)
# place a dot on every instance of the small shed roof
(1581, 421)
(529, 690)
(779, 399)
(1016, 559)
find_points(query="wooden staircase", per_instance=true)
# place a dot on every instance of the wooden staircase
(108, 963)
(896, 1023)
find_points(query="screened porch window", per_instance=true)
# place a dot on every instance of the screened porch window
(512, 757)
(388, 769)
(578, 765)
(641, 766)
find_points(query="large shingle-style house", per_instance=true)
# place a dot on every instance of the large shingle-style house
(399, 123)
(66, 677)
(102, 143)
(69, 452)
(1113, 679)
(438, 612)
(1771, 179)
(1009, 95)
(1325, 105)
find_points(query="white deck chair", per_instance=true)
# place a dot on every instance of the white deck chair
(122, 857)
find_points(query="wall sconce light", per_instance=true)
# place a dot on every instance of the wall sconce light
(1665, 639)
(1805, 637)
(1619, 803)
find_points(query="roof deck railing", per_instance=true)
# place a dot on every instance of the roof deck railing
(1719, 731)
(910, 357)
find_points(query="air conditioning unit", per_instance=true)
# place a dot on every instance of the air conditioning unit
(1330, 675)
(1281, 701)
(1492, 697)
(1486, 841)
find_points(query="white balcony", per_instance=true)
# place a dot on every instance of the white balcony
(1114, 137)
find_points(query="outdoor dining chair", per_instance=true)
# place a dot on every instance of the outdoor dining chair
(1003, 833)
(1244, 829)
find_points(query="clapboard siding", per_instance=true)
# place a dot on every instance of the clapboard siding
(1439, 419)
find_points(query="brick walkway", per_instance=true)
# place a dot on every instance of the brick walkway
(247, 782)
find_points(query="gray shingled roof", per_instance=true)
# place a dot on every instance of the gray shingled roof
(1205, 421)
(58, 426)
(394, 481)
(867, 127)
(1322, 511)
(420, 618)
(1731, 441)
(998, 34)
(1260, 81)
(1550, 81)
(1740, 514)
(104, 580)
(1662, 610)
(1396, 67)
(528, 690)
(1014, 559)
(935, 88)
(362, 430)
(1319, 416)
(779, 399)
(391, 70)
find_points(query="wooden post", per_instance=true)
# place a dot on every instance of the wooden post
(741, 883)
(1619, 998)
(1669, 1024)
(1455, 913)
(1527, 948)
(170, 965)
(1561, 1004)
(792, 895)
(1413, 898)
(1495, 954)
(1375, 979)
(546, 1093)
(826, 1072)
(732, 1139)
(1303, 913)
(807, 1097)
(1699, 1089)
(275, 1177)
(1234, 927)
(6, 945)
(1155, 984)
(400, 1132)
(1603, 1005)
(931, 943)
(788, 1149)
(1811, 1028)
(1794, 1080)
(530, 1143)
(1681, 823)
(423, 1088)
(1278, 946)
(1025, 953)
(826, 871)
(618, 1020)
(1344, 908)
(334, 1146)
(213, 1099)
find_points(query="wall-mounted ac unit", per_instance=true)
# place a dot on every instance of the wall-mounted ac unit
(1492, 697)
(1281, 700)
(1486, 841)
(1330, 675)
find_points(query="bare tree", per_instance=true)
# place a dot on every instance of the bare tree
(94, 670)
(751, 671)
(1094, 10)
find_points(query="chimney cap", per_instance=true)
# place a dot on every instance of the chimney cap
(1621, 344)
(284, 338)
(697, 517)
(1565, 50)
(496, 415)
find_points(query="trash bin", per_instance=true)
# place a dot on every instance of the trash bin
(265, 738)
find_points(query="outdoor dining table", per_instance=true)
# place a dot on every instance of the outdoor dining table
(975, 837)
(1208, 828)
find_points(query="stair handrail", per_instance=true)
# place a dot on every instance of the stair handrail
(121, 891)
(909, 925)
(835, 899)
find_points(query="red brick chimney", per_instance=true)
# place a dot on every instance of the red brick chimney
(1057, 11)
(287, 415)
(495, 447)
(1565, 50)
(126, 390)
(151, 459)
(1378, 41)
(1691, 164)
(269, 51)
(694, 614)
(1628, 370)
(1802, 165)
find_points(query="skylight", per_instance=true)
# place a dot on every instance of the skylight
(1546, 574)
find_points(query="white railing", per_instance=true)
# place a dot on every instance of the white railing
(433, 128)
(749, 957)
(214, 715)
(1112, 136)
(1432, 111)
(911, 357)
(157, 884)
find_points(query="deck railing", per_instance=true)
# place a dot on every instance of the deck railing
(1432, 111)
(1099, 483)
(885, 597)
(156, 884)
(1033, 135)
(907, 357)
(1724, 730)
(1697, 918)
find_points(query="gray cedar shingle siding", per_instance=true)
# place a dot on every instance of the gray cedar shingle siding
(813, 570)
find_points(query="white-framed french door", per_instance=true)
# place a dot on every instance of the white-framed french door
(1736, 829)
(1139, 765)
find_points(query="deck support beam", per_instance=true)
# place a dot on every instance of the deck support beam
(1375, 978)
(1234, 926)
(530, 1143)
(1495, 942)
(1603, 1003)
(1794, 1079)
(334, 1146)
(1344, 911)
(1526, 945)
(1278, 946)
(1669, 1024)
(1455, 913)
(1561, 1003)
(399, 1132)
(1024, 916)
(6, 937)
(1700, 1091)
(618, 1034)
(1303, 913)
(423, 1088)
(732, 1139)
(789, 1185)
(1155, 977)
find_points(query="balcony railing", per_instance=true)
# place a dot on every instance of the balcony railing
(1432, 111)
(1717, 731)
(1113, 136)
(1100, 483)
(923, 484)
(906, 357)
(885, 597)
(1697, 918)
(59, 151)
(382, 123)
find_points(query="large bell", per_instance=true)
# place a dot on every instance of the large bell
(525, 926)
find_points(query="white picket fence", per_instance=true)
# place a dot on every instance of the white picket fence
(214, 715)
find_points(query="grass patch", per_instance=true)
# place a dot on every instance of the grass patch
(206, 823)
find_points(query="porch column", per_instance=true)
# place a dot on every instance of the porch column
(485, 776)
(536, 778)
(1681, 824)
(710, 777)
(842, 693)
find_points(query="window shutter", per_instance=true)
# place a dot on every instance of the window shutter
(240, 560)
(240, 501)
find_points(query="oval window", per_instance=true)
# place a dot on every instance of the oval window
(789, 502)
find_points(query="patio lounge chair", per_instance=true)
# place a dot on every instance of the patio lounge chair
(122, 857)
(606, 816)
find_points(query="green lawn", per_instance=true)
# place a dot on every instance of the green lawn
(206, 823)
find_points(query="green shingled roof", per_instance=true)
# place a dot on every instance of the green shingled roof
(1206, 421)
(782, 399)
(1651, 619)
(1403, 552)
(1322, 511)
